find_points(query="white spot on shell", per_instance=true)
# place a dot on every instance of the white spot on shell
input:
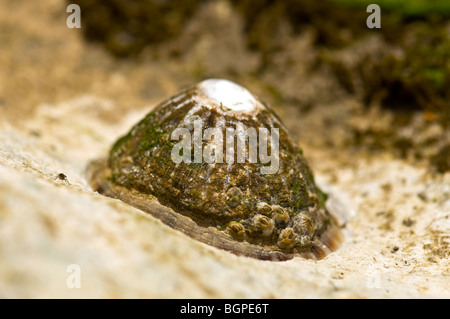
(229, 96)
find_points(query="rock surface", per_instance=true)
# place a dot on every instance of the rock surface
(64, 103)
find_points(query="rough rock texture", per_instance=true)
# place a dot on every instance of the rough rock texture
(63, 103)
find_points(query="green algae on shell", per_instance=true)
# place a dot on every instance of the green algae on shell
(230, 205)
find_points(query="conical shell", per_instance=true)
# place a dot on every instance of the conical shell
(250, 192)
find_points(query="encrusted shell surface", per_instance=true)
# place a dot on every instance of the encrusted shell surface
(232, 205)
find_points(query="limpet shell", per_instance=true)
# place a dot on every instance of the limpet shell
(230, 198)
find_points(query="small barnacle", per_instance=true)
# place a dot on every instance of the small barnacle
(287, 239)
(264, 208)
(234, 197)
(262, 225)
(280, 215)
(236, 229)
(303, 225)
(219, 165)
